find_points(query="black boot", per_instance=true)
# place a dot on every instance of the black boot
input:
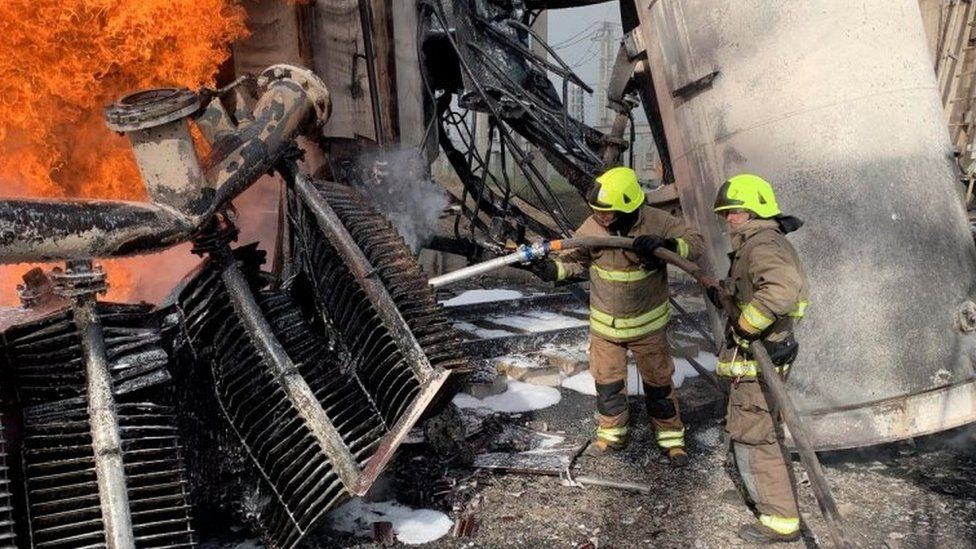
(677, 457)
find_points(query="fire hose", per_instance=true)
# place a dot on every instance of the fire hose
(777, 392)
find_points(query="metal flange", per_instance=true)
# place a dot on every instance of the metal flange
(150, 108)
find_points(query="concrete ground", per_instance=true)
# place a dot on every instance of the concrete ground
(918, 493)
(912, 494)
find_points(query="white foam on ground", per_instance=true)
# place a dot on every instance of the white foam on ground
(520, 361)
(572, 350)
(548, 441)
(583, 381)
(477, 331)
(411, 526)
(481, 296)
(538, 321)
(519, 397)
(710, 437)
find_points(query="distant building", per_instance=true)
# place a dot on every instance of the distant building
(576, 104)
(646, 159)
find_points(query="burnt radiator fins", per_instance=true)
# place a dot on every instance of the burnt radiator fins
(296, 482)
(319, 382)
(382, 361)
(58, 465)
(8, 534)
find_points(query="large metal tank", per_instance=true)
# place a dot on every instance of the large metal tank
(836, 104)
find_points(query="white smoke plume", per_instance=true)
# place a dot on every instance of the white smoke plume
(398, 183)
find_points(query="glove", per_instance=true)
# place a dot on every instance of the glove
(784, 351)
(545, 269)
(645, 245)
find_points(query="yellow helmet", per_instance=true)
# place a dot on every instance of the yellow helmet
(747, 192)
(617, 190)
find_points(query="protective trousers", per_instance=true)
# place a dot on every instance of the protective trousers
(608, 365)
(759, 456)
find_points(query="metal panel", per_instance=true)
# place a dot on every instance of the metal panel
(288, 481)
(368, 286)
(58, 461)
(851, 134)
(319, 382)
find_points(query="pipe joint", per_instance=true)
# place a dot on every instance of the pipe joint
(156, 122)
(312, 85)
(536, 251)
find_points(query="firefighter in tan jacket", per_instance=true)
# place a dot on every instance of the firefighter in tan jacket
(629, 308)
(769, 285)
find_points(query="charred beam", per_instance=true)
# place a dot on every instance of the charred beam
(81, 282)
(45, 230)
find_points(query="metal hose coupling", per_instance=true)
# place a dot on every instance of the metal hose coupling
(536, 251)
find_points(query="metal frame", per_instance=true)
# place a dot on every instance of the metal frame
(891, 419)
(431, 378)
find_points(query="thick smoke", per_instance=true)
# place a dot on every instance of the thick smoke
(399, 184)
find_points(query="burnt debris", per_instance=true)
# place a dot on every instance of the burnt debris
(57, 464)
(316, 382)
(272, 395)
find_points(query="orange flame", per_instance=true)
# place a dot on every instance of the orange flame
(62, 61)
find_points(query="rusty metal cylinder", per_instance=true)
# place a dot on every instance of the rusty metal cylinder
(836, 104)
(156, 122)
(215, 122)
(294, 100)
(47, 230)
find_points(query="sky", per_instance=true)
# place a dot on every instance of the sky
(574, 28)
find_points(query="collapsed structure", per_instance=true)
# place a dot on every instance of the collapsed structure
(279, 391)
(313, 380)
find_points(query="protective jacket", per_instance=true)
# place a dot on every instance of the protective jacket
(628, 299)
(771, 290)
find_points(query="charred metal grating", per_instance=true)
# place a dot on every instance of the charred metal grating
(8, 535)
(60, 484)
(61, 487)
(370, 382)
(298, 483)
(155, 476)
(383, 366)
(342, 395)
(368, 289)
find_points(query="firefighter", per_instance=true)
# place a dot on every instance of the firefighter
(770, 287)
(629, 308)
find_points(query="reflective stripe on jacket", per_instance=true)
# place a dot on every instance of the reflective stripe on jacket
(770, 287)
(613, 327)
(627, 300)
(742, 367)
